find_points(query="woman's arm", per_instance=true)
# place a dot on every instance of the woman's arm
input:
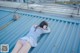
(47, 30)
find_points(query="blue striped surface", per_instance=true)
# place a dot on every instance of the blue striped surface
(5, 20)
(64, 36)
(3, 13)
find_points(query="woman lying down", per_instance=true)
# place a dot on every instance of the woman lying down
(24, 44)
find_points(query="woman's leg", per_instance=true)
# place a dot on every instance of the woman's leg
(17, 47)
(25, 48)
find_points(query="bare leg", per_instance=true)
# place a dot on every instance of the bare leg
(17, 47)
(25, 48)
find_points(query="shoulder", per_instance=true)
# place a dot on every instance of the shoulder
(35, 25)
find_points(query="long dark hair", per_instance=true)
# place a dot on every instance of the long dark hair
(41, 25)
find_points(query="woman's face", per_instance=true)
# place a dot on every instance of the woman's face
(44, 27)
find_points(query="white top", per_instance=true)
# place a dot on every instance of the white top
(35, 34)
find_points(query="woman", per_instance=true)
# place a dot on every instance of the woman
(24, 44)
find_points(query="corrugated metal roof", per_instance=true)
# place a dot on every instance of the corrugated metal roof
(64, 36)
